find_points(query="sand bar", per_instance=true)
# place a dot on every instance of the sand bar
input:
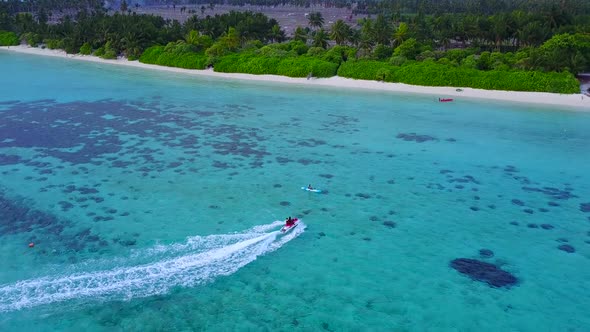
(576, 101)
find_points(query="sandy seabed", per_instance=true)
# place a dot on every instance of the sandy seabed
(577, 101)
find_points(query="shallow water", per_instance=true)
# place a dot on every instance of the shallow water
(151, 197)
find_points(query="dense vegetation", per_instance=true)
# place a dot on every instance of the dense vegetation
(491, 44)
(431, 73)
(8, 38)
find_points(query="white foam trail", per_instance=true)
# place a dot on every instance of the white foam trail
(201, 259)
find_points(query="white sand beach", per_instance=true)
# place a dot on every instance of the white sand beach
(577, 101)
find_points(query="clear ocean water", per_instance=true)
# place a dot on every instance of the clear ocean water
(153, 198)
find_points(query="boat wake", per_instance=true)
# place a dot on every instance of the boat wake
(199, 260)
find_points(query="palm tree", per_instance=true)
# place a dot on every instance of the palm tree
(300, 34)
(276, 34)
(382, 30)
(124, 6)
(320, 39)
(316, 20)
(400, 34)
(366, 41)
(340, 32)
(192, 37)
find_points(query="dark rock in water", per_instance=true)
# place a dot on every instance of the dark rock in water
(321, 234)
(285, 203)
(277, 185)
(484, 272)
(367, 239)
(486, 253)
(585, 207)
(567, 248)
(389, 224)
(532, 226)
(547, 226)
(474, 208)
(514, 223)
(517, 202)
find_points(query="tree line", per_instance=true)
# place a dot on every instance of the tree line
(453, 43)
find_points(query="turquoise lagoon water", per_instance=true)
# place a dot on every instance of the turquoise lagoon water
(152, 198)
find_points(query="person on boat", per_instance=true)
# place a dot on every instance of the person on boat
(309, 187)
(289, 222)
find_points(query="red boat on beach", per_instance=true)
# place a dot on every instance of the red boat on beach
(445, 100)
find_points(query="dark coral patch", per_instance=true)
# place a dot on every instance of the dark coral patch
(374, 218)
(276, 185)
(484, 272)
(327, 176)
(486, 253)
(510, 169)
(474, 208)
(285, 203)
(552, 192)
(552, 204)
(283, 160)
(305, 161)
(547, 226)
(529, 211)
(311, 142)
(362, 195)
(567, 248)
(585, 207)
(389, 224)
(532, 225)
(514, 223)
(416, 138)
(517, 202)
(65, 206)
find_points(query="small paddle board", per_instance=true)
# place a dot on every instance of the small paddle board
(312, 190)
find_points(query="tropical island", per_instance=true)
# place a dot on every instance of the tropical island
(533, 46)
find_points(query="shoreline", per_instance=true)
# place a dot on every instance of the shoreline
(577, 101)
